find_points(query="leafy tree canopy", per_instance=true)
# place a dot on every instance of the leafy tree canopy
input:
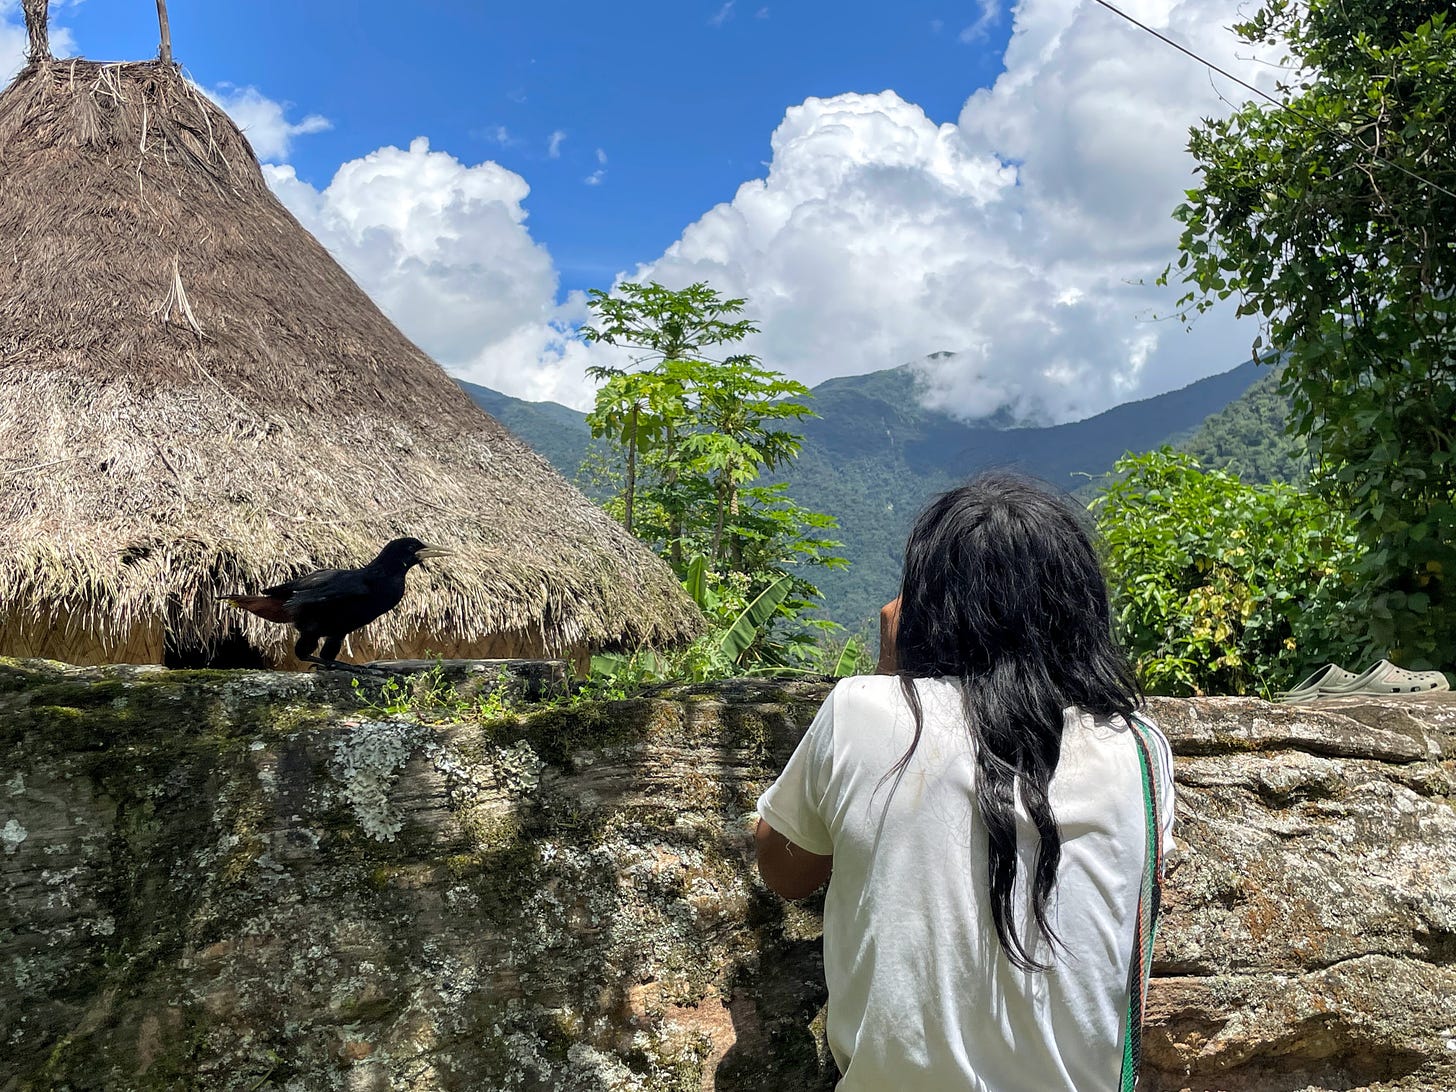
(1337, 226)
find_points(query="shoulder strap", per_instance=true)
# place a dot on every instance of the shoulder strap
(1150, 893)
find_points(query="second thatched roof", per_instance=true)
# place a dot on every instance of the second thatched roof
(195, 398)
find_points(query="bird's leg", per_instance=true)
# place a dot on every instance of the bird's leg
(328, 658)
(330, 651)
(307, 642)
(329, 661)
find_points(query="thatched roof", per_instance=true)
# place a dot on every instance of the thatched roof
(196, 399)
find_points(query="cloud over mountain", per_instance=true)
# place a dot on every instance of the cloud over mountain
(1024, 238)
(1023, 235)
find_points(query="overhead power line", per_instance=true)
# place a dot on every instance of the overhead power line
(1315, 122)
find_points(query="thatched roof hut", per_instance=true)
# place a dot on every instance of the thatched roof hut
(196, 399)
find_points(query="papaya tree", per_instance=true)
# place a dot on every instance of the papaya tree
(699, 438)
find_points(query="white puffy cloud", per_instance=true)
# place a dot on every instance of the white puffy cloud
(851, 248)
(265, 121)
(1024, 238)
(443, 248)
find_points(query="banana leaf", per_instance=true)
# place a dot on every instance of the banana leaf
(740, 636)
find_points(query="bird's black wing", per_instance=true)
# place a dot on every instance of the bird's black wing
(334, 601)
(325, 585)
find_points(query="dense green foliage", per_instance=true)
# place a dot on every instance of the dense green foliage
(1248, 438)
(743, 641)
(1335, 226)
(689, 439)
(1222, 587)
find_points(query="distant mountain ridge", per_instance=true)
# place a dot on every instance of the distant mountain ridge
(557, 433)
(873, 456)
(933, 441)
(1247, 436)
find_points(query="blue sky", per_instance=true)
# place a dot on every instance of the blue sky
(680, 95)
(989, 178)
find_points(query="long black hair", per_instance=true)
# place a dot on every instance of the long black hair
(1003, 593)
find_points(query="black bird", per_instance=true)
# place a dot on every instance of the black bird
(330, 604)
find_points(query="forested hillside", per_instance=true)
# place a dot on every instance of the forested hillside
(873, 456)
(556, 432)
(1247, 437)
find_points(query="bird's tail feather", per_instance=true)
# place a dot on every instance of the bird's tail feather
(266, 607)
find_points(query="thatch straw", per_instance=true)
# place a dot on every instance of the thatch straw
(196, 399)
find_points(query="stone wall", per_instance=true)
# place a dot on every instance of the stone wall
(245, 881)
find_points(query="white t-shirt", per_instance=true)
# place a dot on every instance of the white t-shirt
(921, 997)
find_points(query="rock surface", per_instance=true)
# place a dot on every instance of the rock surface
(246, 881)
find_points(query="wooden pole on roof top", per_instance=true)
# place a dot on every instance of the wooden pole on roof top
(35, 23)
(166, 52)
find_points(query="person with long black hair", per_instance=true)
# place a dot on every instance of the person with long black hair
(993, 814)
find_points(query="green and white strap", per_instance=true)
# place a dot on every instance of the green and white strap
(1150, 893)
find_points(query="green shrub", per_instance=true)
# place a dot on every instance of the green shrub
(741, 641)
(1221, 587)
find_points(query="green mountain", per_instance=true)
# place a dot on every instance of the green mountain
(1247, 437)
(555, 432)
(873, 456)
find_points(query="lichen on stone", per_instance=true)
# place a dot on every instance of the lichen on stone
(238, 881)
(12, 834)
(366, 761)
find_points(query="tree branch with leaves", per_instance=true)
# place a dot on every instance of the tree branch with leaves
(1334, 223)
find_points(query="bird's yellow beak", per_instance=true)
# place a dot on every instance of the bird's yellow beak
(433, 551)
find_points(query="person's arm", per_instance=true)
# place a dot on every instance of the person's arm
(794, 845)
(889, 624)
(789, 871)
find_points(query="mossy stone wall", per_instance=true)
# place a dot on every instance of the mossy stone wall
(253, 880)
